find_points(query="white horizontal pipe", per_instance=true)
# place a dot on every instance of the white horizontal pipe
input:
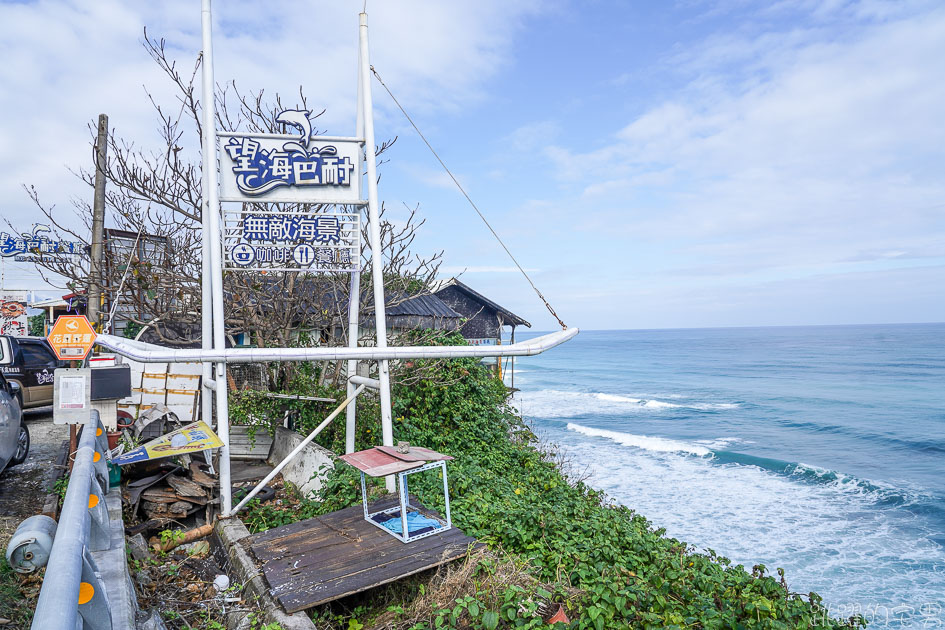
(149, 353)
(210, 384)
(283, 136)
(298, 449)
(373, 383)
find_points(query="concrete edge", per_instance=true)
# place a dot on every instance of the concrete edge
(230, 533)
(55, 472)
(304, 471)
(113, 568)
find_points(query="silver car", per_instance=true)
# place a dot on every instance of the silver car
(14, 436)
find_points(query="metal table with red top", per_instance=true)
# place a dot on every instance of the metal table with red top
(401, 461)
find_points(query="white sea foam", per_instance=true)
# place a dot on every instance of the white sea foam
(645, 442)
(721, 443)
(816, 529)
(553, 403)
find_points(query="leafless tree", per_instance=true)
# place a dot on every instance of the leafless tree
(155, 194)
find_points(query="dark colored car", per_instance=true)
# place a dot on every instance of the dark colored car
(31, 363)
(14, 436)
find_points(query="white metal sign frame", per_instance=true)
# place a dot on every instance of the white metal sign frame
(215, 353)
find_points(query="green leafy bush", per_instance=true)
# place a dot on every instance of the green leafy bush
(506, 491)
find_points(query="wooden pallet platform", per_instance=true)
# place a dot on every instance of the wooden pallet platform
(328, 557)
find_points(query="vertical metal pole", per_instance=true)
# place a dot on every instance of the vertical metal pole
(403, 504)
(513, 358)
(216, 253)
(354, 295)
(377, 268)
(206, 293)
(446, 496)
(98, 225)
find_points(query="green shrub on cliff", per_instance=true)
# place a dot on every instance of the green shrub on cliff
(506, 491)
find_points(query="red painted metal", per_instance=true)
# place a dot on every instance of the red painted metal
(381, 461)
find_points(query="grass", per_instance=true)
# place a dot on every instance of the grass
(18, 592)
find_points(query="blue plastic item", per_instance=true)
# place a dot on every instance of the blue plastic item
(415, 522)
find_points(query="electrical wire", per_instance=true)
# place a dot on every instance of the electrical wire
(468, 198)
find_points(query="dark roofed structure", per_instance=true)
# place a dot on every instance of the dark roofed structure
(422, 311)
(485, 318)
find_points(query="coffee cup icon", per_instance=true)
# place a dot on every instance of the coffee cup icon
(243, 254)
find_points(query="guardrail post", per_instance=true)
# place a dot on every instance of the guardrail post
(93, 602)
(98, 458)
(99, 528)
(71, 587)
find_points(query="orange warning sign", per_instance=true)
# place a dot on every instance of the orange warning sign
(71, 337)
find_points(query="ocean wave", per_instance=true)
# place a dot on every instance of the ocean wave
(649, 443)
(717, 450)
(553, 403)
(816, 523)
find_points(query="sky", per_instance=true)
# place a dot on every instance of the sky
(650, 164)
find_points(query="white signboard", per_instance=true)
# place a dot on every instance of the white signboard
(291, 241)
(487, 341)
(72, 394)
(13, 319)
(289, 169)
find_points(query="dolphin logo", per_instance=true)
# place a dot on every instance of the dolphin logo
(298, 118)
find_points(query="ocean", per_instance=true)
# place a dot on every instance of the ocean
(818, 449)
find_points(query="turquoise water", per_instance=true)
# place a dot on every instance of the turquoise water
(817, 449)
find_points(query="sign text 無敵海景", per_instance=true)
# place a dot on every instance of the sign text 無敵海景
(281, 241)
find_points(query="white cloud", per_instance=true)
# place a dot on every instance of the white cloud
(819, 149)
(67, 61)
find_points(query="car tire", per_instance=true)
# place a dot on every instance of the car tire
(22, 446)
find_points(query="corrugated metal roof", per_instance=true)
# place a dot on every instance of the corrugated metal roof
(423, 306)
(514, 320)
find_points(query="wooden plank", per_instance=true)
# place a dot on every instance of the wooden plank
(309, 540)
(305, 536)
(243, 447)
(414, 454)
(335, 533)
(321, 559)
(374, 549)
(367, 570)
(242, 472)
(312, 593)
(287, 530)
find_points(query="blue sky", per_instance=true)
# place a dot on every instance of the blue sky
(652, 164)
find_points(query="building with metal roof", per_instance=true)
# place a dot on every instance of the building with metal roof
(484, 318)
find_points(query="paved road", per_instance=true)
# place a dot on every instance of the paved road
(22, 488)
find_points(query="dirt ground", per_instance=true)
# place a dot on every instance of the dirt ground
(23, 491)
(22, 488)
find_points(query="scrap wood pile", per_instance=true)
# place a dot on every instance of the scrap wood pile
(172, 493)
(162, 491)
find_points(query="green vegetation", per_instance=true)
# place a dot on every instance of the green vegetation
(132, 329)
(18, 594)
(608, 565)
(37, 325)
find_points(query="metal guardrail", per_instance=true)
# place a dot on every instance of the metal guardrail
(72, 587)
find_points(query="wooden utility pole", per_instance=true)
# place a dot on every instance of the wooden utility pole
(98, 226)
